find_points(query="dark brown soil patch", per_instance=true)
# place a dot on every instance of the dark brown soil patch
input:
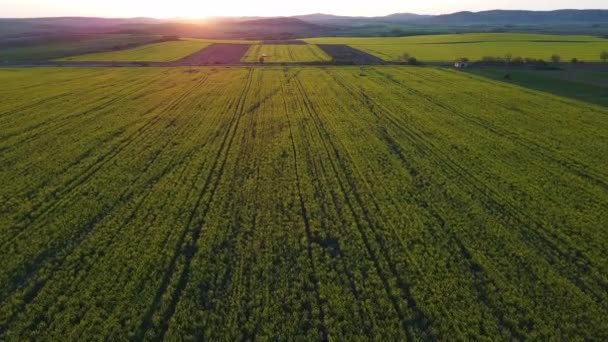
(216, 54)
(343, 54)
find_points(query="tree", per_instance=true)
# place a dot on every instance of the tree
(406, 56)
(574, 60)
(508, 57)
(604, 56)
(412, 61)
(517, 60)
(261, 60)
(491, 60)
(555, 58)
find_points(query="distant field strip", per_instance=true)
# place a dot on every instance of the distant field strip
(477, 45)
(586, 85)
(158, 52)
(286, 53)
(223, 41)
(77, 46)
(321, 203)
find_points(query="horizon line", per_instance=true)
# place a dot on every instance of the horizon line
(299, 15)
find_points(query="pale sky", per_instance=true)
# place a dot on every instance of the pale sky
(206, 8)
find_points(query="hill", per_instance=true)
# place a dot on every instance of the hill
(329, 19)
(318, 24)
(594, 22)
(502, 17)
(280, 28)
(494, 17)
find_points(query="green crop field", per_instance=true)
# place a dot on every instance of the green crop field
(158, 52)
(285, 53)
(476, 45)
(586, 85)
(333, 203)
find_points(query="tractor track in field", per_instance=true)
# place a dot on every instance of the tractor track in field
(92, 223)
(309, 249)
(83, 156)
(585, 172)
(541, 151)
(499, 205)
(479, 277)
(46, 100)
(327, 204)
(170, 165)
(189, 249)
(236, 281)
(419, 321)
(323, 203)
(316, 175)
(57, 123)
(64, 192)
(129, 193)
(90, 171)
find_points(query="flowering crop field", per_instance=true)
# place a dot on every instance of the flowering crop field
(285, 53)
(448, 47)
(157, 52)
(385, 203)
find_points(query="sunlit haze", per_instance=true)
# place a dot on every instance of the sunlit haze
(200, 9)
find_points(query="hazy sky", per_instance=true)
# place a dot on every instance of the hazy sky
(204, 8)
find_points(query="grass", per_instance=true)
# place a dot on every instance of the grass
(71, 46)
(158, 52)
(476, 45)
(285, 53)
(343, 203)
(585, 85)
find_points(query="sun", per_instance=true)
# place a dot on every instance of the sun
(192, 8)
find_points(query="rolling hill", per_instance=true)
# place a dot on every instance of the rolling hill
(311, 25)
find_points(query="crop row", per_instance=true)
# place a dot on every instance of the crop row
(285, 53)
(320, 203)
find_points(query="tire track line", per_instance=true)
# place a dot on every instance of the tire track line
(493, 203)
(149, 184)
(189, 248)
(53, 122)
(102, 160)
(315, 276)
(419, 320)
(92, 223)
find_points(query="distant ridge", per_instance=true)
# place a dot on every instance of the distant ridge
(330, 19)
(493, 17)
(506, 17)
(567, 21)
(84, 21)
(279, 21)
